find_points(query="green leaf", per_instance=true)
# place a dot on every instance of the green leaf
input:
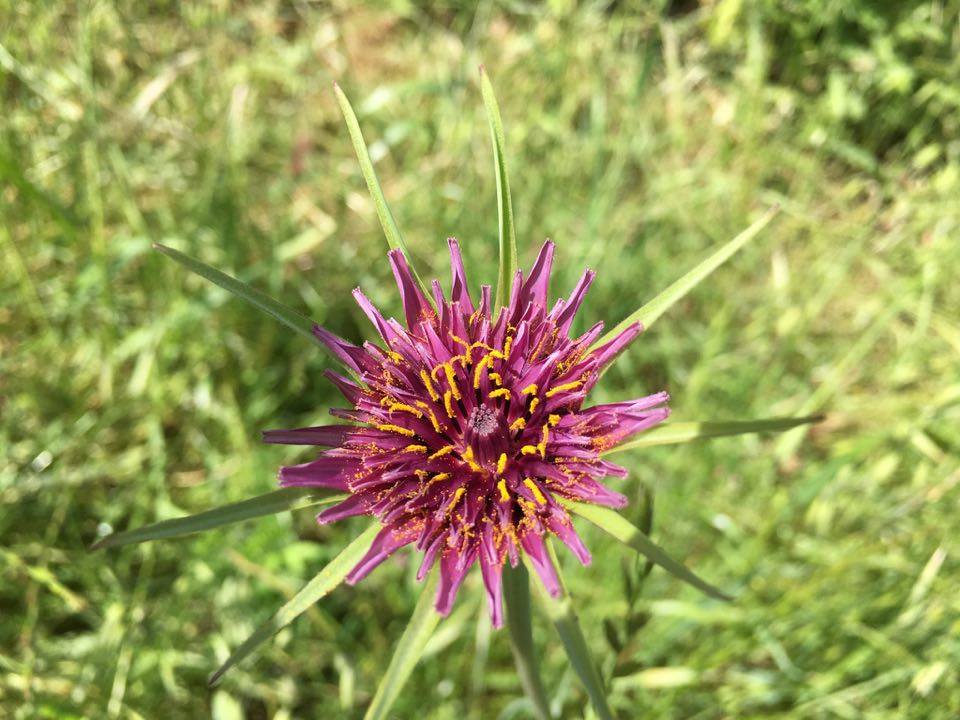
(684, 432)
(516, 596)
(562, 613)
(387, 222)
(662, 302)
(270, 503)
(289, 317)
(418, 631)
(321, 585)
(508, 234)
(613, 523)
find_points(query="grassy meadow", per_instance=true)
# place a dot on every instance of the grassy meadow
(640, 135)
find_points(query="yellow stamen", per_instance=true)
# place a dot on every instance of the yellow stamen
(446, 450)
(518, 424)
(415, 448)
(420, 473)
(528, 450)
(429, 385)
(396, 429)
(566, 386)
(553, 420)
(461, 341)
(395, 356)
(451, 380)
(433, 418)
(530, 389)
(456, 498)
(507, 346)
(406, 408)
(447, 404)
(486, 361)
(502, 487)
(533, 404)
(501, 463)
(496, 378)
(469, 460)
(537, 494)
(502, 392)
(439, 477)
(542, 447)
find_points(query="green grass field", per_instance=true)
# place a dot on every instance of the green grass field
(640, 136)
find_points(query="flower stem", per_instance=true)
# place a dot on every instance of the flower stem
(516, 594)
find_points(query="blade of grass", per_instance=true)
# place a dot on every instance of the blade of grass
(648, 314)
(516, 596)
(387, 221)
(270, 503)
(614, 524)
(508, 234)
(322, 584)
(684, 432)
(562, 613)
(405, 658)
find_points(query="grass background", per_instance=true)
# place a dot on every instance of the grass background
(639, 136)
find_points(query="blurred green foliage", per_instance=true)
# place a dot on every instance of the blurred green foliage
(639, 136)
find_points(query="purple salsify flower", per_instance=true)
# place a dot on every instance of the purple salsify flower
(468, 428)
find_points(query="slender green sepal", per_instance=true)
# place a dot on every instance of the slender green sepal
(562, 613)
(322, 584)
(508, 233)
(405, 658)
(662, 302)
(613, 523)
(263, 302)
(516, 597)
(387, 221)
(289, 317)
(270, 503)
(684, 432)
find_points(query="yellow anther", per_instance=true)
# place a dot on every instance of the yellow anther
(469, 460)
(429, 385)
(507, 346)
(553, 420)
(406, 408)
(439, 477)
(386, 400)
(502, 487)
(456, 498)
(533, 404)
(530, 389)
(501, 463)
(566, 386)
(528, 450)
(486, 361)
(396, 429)
(429, 411)
(496, 378)
(446, 450)
(542, 446)
(451, 380)
(497, 355)
(537, 494)
(447, 404)
(420, 473)
(395, 356)
(461, 341)
(502, 392)
(518, 424)
(415, 448)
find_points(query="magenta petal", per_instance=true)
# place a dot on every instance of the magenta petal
(327, 472)
(459, 290)
(453, 570)
(415, 304)
(492, 581)
(352, 506)
(387, 542)
(538, 283)
(535, 549)
(560, 524)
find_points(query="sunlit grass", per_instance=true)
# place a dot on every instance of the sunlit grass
(133, 392)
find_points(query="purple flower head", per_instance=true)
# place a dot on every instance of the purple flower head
(467, 427)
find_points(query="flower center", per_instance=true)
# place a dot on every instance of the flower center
(483, 421)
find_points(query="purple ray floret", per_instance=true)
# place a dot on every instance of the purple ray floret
(466, 428)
